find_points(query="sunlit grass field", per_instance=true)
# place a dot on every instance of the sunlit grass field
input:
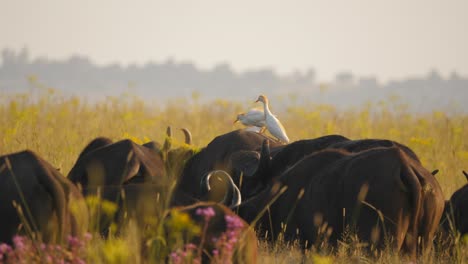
(58, 128)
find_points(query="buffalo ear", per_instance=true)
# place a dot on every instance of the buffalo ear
(434, 172)
(265, 156)
(252, 163)
(245, 161)
(466, 175)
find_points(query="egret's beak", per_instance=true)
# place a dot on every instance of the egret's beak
(258, 100)
(235, 121)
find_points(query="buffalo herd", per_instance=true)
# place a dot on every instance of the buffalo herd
(310, 191)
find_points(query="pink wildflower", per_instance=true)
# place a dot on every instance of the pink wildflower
(207, 212)
(4, 248)
(18, 241)
(176, 258)
(87, 236)
(233, 222)
(190, 246)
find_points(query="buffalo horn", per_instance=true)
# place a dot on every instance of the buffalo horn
(167, 141)
(188, 136)
(232, 196)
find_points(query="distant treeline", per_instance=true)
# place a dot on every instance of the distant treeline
(78, 75)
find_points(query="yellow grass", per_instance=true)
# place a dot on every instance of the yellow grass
(57, 128)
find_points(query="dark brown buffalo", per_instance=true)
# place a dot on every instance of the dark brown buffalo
(50, 205)
(432, 189)
(215, 156)
(258, 172)
(283, 157)
(456, 211)
(117, 164)
(260, 167)
(131, 175)
(124, 173)
(221, 232)
(375, 192)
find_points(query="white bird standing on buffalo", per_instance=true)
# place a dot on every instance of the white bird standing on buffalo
(254, 117)
(272, 123)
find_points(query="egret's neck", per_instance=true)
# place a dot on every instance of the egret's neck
(266, 108)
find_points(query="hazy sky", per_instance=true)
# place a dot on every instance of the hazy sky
(389, 39)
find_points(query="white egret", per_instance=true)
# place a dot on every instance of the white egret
(271, 122)
(254, 117)
(255, 129)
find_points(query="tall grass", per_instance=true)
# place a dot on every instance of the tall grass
(58, 127)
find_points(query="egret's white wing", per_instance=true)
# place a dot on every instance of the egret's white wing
(276, 128)
(254, 117)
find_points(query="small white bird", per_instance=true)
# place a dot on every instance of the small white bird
(272, 123)
(254, 117)
(255, 129)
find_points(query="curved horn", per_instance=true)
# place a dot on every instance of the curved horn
(236, 199)
(466, 175)
(167, 141)
(232, 196)
(434, 172)
(205, 184)
(188, 136)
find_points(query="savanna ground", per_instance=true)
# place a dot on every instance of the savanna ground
(57, 128)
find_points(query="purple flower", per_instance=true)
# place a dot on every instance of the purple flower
(4, 248)
(74, 242)
(18, 241)
(87, 236)
(190, 246)
(233, 222)
(175, 258)
(215, 252)
(207, 212)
